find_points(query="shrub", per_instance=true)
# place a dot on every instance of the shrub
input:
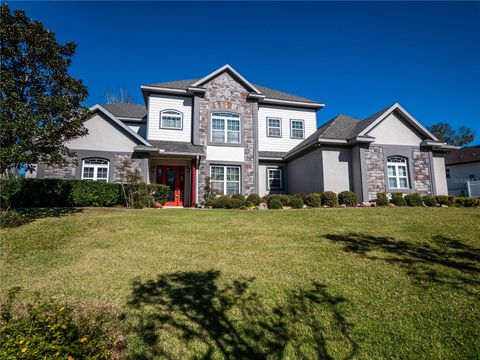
(302, 196)
(238, 196)
(382, 199)
(296, 203)
(227, 202)
(254, 199)
(12, 219)
(329, 198)
(429, 200)
(398, 200)
(445, 200)
(466, 201)
(314, 200)
(283, 198)
(94, 193)
(247, 205)
(160, 192)
(348, 198)
(51, 330)
(9, 188)
(275, 204)
(413, 199)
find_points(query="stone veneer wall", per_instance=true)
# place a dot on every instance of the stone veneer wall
(225, 93)
(375, 170)
(421, 171)
(117, 163)
(60, 172)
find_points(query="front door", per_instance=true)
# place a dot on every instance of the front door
(174, 178)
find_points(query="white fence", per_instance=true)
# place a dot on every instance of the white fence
(473, 188)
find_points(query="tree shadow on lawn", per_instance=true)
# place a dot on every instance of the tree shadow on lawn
(444, 260)
(188, 315)
(33, 214)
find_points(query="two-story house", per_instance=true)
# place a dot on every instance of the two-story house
(246, 138)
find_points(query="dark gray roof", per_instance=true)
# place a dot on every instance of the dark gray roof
(178, 147)
(135, 111)
(269, 93)
(271, 154)
(370, 119)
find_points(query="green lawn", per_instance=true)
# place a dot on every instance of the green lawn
(327, 283)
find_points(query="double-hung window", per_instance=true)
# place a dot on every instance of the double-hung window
(297, 129)
(275, 178)
(225, 180)
(171, 119)
(95, 169)
(397, 172)
(274, 127)
(225, 128)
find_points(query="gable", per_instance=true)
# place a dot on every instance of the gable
(395, 130)
(232, 73)
(104, 135)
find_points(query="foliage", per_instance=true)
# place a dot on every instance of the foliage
(445, 199)
(11, 218)
(283, 198)
(296, 203)
(275, 203)
(314, 200)
(40, 103)
(429, 200)
(329, 198)
(238, 196)
(254, 199)
(382, 199)
(50, 329)
(302, 196)
(94, 193)
(227, 202)
(398, 199)
(136, 193)
(8, 189)
(445, 133)
(466, 202)
(160, 192)
(348, 198)
(413, 199)
(209, 193)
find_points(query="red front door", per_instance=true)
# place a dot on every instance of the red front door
(174, 178)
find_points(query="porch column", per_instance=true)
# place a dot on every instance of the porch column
(193, 184)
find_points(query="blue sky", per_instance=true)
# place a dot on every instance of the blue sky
(355, 57)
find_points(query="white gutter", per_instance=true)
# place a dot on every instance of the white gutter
(293, 103)
(161, 89)
(196, 182)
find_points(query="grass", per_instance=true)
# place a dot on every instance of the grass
(327, 283)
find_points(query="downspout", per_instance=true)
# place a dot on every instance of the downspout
(196, 179)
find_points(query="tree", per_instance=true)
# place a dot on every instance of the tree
(122, 97)
(445, 133)
(40, 103)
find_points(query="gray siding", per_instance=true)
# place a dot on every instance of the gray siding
(305, 174)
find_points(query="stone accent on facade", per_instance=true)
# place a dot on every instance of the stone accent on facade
(118, 163)
(227, 94)
(421, 171)
(60, 172)
(375, 170)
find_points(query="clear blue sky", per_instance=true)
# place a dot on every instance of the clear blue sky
(355, 57)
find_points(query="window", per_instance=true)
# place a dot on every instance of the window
(95, 169)
(225, 128)
(397, 172)
(275, 178)
(225, 180)
(274, 127)
(296, 129)
(171, 119)
(447, 172)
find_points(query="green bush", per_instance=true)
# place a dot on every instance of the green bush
(296, 203)
(413, 199)
(429, 200)
(314, 200)
(398, 199)
(254, 199)
(238, 196)
(466, 202)
(283, 198)
(160, 192)
(9, 188)
(329, 198)
(445, 199)
(348, 198)
(382, 199)
(52, 330)
(94, 193)
(275, 203)
(247, 205)
(302, 196)
(12, 219)
(227, 202)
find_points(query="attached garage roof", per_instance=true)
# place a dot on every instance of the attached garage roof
(133, 111)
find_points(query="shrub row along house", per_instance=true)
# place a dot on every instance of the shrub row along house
(247, 139)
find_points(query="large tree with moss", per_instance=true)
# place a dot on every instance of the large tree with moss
(40, 103)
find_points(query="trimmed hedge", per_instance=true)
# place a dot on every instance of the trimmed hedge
(413, 199)
(382, 199)
(329, 198)
(429, 200)
(283, 198)
(227, 202)
(296, 203)
(348, 198)
(398, 199)
(94, 193)
(254, 199)
(314, 200)
(275, 203)
(445, 199)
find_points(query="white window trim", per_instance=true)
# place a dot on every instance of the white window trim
(95, 169)
(397, 173)
(225, 127)
(279, 127)
(281, 178)
(291, 128)
(180, 114)
(224, 181)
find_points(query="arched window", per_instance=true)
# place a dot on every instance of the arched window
(95, 169)
(171, 119)
(397, 172)
(225, 127)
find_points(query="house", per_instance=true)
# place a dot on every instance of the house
(463, 171)
(248, 138)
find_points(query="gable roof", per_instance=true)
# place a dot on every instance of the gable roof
(464, 155)
(131, 111)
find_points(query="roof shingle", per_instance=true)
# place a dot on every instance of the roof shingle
(134, 111)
